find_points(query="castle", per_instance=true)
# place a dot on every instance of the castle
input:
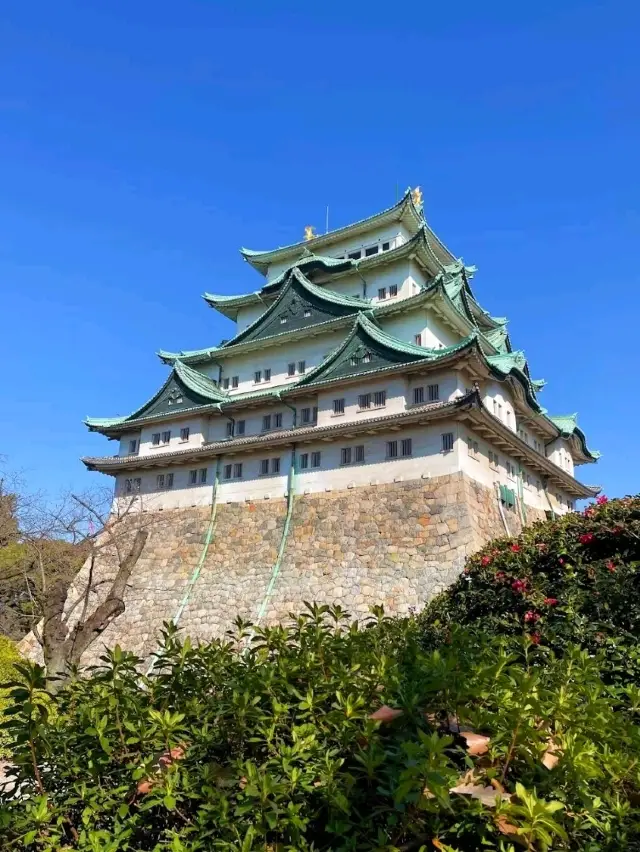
(367, 427)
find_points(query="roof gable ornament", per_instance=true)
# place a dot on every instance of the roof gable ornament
(309, 233)
(417, 198)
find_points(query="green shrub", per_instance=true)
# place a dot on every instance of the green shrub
(8, 657)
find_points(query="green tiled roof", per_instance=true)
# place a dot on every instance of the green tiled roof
(310, 261)
(171, 357)
(568, 426)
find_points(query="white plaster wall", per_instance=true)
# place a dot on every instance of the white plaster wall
(499, 392)
(246, 316)
(196, 437)
(560, 454)
(404, 326)
(395, 402)
(217, 425)
(124, 443)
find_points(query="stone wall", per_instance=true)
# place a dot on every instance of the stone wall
(397, 544)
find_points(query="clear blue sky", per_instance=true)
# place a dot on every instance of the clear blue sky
(141, 144)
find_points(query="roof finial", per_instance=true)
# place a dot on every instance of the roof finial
(309, 233)
(416, 196)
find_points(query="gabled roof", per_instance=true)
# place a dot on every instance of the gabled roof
(172, 357)
(183, 390)
(302, 304)
(515, 364)
(403, 210)
(568, 426)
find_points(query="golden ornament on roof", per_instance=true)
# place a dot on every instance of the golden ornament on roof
(416, 195)
(309, 232)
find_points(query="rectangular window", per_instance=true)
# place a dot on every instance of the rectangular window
(355, 255)
(160, 480)
(304, 461)
(291, 369)
(225, 384)
(338, 406)
(229, 428)
(418, 396)
(385, 246)
(302, 366)
(417, 339)
(367, 357)
(277, 418)
(393, 290)
(315, 459)
(392, 449)
(237, 470)
(133, 446)
(407, 446)
(314, 414)
(380, 399)
(257, 377)
(511, 470)
(166, 437)
(364, 401)
(307, 312)
(359, 453)
(474, 450)
(169, 480)
(239, 427)
(137, 484)
(203, 475)
(227, 471)
(155, 439)
(193, 477)
(184, 433)
(283, 320)
(433, 393)
(494, 460)
(128, 486)
(447, 442)
(275, 465)
(345, 455)
(264, 467)
(235, 381)
(266, 422)
(368, 252)
(267, 374)
(382, 292)
(306, 415)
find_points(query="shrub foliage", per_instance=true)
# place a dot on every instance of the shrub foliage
(506, 733)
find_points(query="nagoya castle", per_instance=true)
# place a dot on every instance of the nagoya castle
(366, 426)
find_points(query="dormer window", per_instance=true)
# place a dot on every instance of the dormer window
(307, 312)
(371, 250)
(385, 246)
(283, 320)
(355, 255)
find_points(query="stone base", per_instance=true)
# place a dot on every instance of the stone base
(397, 544)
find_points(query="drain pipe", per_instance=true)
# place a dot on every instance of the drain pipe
(523, 511)
(198, 569)
(501, 510)
(545, 482)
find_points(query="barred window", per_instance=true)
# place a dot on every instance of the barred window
(225, 384)
(380, 399)
(240, 427)
(203, 475)
(447, 442)
(193, 477)
(237, 470)
(306, 415)
(227, 471)
(137, 484)
(307, 312)
(275, 465)
(345, 455)
(338, 406)
(264, 467)
(407, 447)
(169, 481)
(433, 392)
(266, 422)
(166, 437)
(257, 376)
(184, 433)
(155, 439)
(291, 369)
(392, 449)
(364, 400)
(277, 421)
(393, 290)
(133, 446)
(359, 453)
(283, 320)
(235, 381)
(267, 374)
(417, 339)
(474, 450)
(382, 293)
(229, 428)
(304, 461)
(315, 459)
(367, 357)
(160, 480)
(302, 366)
(418, 396)
(128, 486)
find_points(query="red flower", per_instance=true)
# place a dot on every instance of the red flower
(535, 638)
(602, 499)
(486, 560)
(586, 538)
(500, 575)
(519, 585)
(531, 616)
(515, 548)
(551, 601)
(561, 560)
(610, 566)
(589, 511)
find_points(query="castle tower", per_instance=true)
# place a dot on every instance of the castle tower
(367, 426)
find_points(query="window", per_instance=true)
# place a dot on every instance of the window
(511, 470)
(235, 381)
(160, 480)
(267, 374)
(166, 437)
(494, 460)
(495, 407)
(385, 246)
(128, 486)
(137, 484)
(239, 427)
(418, 396)
(225, 384)
(155, 439)
(307, 312)
(264, 467)
(266, 422)
(380, 399)
(184, 433)
(302, 366)
(169, 482)
(232, 471)
(229, 428)
(417, 339)
(433, 393)
(315, 459)
(382, 293)
(359, 453)
(237, 470)
(338, 406)
(368, 252)
(345, 455)
(352, 455)
(203, 475)
(133, 446)
(306, 415)
(392, 449)
(474, 450)
(393, 290)
(227, 471)
(447, 442)
(275, 465)
(355, 360)
(277, 421)
(314, 414)
(407, 446)
(257, 377)
(304, 461)
(364, 401)
(193, 477)
(355, 255)
(291, 369)
(367, 357)
(283, 320)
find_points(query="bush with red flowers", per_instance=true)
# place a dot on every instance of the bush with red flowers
(575, 579)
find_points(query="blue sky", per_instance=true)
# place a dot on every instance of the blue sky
(141, 144)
